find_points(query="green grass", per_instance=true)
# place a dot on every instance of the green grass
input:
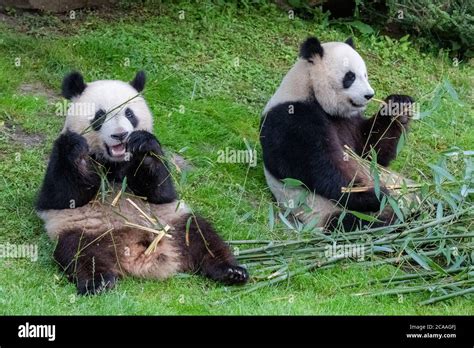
(199, 53)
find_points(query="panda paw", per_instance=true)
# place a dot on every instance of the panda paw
(72, 146)
(141, 142)
(96, 285)
(399, 107)
(233, 275)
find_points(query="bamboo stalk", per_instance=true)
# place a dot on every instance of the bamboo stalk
(410, 289)
(379, 101)
(250, 241)
(448, 296)
(357, 189)
(116, 199)
(407, 277)
(251, 253)
(149, 229)
(152, 247)
(304, 252)
(151, 220)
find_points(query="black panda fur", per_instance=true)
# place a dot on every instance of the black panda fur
(95, 247)
(300, 140)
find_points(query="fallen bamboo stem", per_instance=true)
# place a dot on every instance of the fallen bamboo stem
(356, 189)
(151, 220)
(407, 277)
(410, 289)
(149, 229)
(116, 199)
(380, 101)
(448, 296)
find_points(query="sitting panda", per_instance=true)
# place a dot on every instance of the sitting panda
(109, 127)
(316, 111)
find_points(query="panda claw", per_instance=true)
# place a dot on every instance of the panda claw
(236, 275)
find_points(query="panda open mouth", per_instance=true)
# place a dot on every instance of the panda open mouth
(355, 105)
(116, 151)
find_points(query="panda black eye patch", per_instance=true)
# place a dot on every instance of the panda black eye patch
(348, 80)
(98, 120)
(130, 115)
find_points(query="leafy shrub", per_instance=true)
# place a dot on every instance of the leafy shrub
(450, 23)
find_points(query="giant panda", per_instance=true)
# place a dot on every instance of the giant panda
(108, 129)
(316, 111)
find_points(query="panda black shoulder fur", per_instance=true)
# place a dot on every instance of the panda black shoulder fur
(95, 246)
(318, 109)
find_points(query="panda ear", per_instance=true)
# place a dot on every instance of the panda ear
(138, 81)
(73, 85)
(310, 48)
(350, 42)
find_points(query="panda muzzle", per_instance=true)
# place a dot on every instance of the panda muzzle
(117, 150)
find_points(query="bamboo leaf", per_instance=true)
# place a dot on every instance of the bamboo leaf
(188, 226)
(418, 258)
(375, 173)
(362, 216)
(457, 264)
(271, 217)
(362, 27)
(290, 182)
(124, 184)
(286, 222)
(383, 248)
(434, 265)
(246, 216)
(439, 210)
(451, 91)
(311, 224)
(401, 143)
(442, 172)
(396, 209)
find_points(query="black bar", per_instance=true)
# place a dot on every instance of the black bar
(135, 331)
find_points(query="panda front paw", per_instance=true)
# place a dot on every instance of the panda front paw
(96, 285)
(398, 107)
(72, 145)
(231, 275)
(142, 142)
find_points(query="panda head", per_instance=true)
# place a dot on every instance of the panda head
(106, 112)
(337, 76)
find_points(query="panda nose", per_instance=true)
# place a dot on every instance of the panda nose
(368, 96)
(119, 136)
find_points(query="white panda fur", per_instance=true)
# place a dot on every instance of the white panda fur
(104, 94)
(94, 244)
(318, 76)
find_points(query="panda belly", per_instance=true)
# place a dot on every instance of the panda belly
(321, 208)
(108, 226)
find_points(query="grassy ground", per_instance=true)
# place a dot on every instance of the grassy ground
(222, 64)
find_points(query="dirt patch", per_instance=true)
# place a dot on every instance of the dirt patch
(8, 20)
(37, 89)
(19, 136)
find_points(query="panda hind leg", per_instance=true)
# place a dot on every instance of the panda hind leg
(205, 252)
(88, 261)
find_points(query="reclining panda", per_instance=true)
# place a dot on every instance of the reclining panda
(108, 128)
(316, 111)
